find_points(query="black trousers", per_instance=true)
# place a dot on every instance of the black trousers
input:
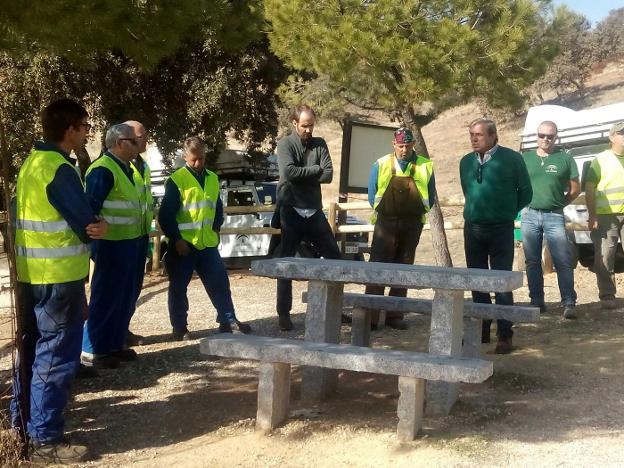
(394, 241)
(491, 246)
(296, 228)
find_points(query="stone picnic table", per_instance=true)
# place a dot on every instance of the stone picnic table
(326, 279)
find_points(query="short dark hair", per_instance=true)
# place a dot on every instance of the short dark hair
(296, 112)
(58, 116)
(194, 145)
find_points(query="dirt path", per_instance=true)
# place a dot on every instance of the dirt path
(557, 400)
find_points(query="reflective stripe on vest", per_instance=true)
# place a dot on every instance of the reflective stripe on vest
(122, 209)
(610, 187)
(423, 169)
(47, 250)
(144, 187)
(197, 208)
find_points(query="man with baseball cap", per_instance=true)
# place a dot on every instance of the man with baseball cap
(604, 195)
(401, 189)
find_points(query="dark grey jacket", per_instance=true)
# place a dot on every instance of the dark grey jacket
(302, 169)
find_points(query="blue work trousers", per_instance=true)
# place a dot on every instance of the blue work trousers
(491, 246)
(50, 325)
(537, 225)
(211, 270)
(114, 289)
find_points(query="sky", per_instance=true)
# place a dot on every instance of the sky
(593, 10)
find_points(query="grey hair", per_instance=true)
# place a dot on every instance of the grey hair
(115, 132)
(489, 124)
(549, 123)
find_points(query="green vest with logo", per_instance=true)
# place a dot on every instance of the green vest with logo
(198, 207)
(610, 187)
(47, 250)
(421, 170)
(122, 209)
(143, 184)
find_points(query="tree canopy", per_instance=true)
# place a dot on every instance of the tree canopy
(399, 55)
(145, 31)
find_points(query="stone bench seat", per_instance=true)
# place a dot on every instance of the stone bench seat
(276, 355)
(473, 314)
(518, 314)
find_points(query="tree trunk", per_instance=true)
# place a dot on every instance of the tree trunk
(441, 252)
(84, 161)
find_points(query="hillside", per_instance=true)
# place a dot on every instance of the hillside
(447, 136)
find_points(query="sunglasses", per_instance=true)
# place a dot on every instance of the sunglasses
(545, 136)
(131, 140)
(480, 173)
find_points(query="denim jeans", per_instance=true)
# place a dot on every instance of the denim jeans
(605, 238)
(491, 246)
(537, 225)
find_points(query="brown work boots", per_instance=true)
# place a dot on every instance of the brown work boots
(62, 452)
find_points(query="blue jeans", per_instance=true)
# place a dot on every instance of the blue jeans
(536, 225)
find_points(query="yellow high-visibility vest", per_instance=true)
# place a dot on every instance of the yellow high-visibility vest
(197, 211)
(423, 169)
(610, 187)
(47, 250)
(122, 209)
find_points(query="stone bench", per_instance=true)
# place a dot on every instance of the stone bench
(474, 312)
(276, 355)
(326, 280)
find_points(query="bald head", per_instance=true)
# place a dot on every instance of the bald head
(140, 132)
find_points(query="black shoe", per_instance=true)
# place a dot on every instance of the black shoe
(225, 327)
(181, 334)
(285, 324)
(243, 327)
(542, 307)
(396, 323)
(86, 372)
(503, 346)
(134, 340)
(344, 318)
(62, 452)
(101, 361)
(125, 355)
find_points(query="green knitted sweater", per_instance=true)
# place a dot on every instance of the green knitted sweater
(504, 187)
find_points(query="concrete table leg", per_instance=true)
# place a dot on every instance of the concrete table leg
(472, 337)
(410, 408)
(446, 335)
(360, 327)
(273, 395)
(322, 324)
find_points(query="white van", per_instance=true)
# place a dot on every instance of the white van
(583, 134)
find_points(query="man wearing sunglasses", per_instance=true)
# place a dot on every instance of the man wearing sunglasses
(555, 183)
(112, 189)
(604, 194)
(496, 187)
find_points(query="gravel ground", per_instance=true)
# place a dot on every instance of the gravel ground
(556, 400)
